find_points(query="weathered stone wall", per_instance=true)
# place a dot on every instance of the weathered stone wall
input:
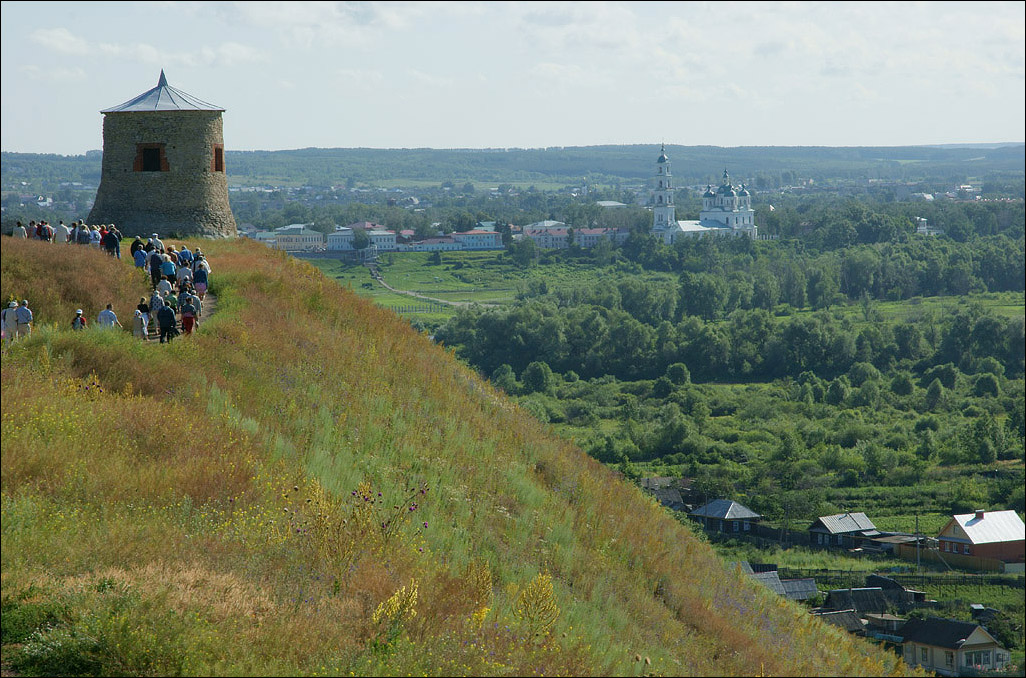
(190, 198)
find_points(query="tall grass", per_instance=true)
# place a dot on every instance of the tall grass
(250, 496)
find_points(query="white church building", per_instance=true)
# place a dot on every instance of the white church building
(725, 211)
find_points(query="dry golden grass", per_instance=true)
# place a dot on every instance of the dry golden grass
(306, 455)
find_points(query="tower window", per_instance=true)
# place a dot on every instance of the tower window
(217, 163)
(150, 158)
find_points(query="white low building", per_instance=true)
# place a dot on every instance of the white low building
(341, 240)
(440, 244)
(478, 239)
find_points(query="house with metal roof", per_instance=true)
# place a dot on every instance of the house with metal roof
(870, 600)
(725, 515)
(848, 620)
(1000, 535)
(844, 529)
(951, 648)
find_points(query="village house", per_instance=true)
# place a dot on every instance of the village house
(768, 576)
(1000, 535)
(725, 515)
(951, 648)
(849, 530)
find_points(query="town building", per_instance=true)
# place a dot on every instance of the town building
(439, 244)
(298, 238)
(478, 239)
(587, 238)
(725, 211)
(548, 238)
(382, 240)
(341, 240)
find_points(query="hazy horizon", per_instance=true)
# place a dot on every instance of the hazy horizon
(467, 75)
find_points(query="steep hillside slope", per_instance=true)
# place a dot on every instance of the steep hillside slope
(309, 486)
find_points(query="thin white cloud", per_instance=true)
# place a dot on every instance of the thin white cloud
(63, 41)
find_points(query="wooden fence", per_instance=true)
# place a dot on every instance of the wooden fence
(857, 579)
(419, 308)
(959, 560)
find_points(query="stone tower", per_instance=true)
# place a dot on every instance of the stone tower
(163, 167)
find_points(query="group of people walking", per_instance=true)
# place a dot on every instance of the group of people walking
(105, 236)
(179, 279)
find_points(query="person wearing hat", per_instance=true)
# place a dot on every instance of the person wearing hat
(157, 242)
(139, 330)
(9, 322)
(23, 317)
(79, 321)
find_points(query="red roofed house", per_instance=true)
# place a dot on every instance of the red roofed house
(1000, 535)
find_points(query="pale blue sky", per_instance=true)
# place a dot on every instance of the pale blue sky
(523, 74)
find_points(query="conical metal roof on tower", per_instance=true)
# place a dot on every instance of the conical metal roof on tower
(163, 97)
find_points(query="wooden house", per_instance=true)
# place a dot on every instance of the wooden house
(999, 535)
(951, 648)
(725, 515)
(848, 530)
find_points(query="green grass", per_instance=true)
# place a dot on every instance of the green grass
(240, 503)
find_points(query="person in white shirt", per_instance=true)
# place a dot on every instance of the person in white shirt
(61, 233)
(107, 318)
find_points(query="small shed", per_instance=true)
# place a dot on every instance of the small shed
(848, 620)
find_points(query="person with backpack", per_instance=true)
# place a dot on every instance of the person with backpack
(79, 321)
(83, 237)
(44, 232)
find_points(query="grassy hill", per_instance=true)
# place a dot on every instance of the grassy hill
(309, 486)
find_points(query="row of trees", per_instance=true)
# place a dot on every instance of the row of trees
(593, 341)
